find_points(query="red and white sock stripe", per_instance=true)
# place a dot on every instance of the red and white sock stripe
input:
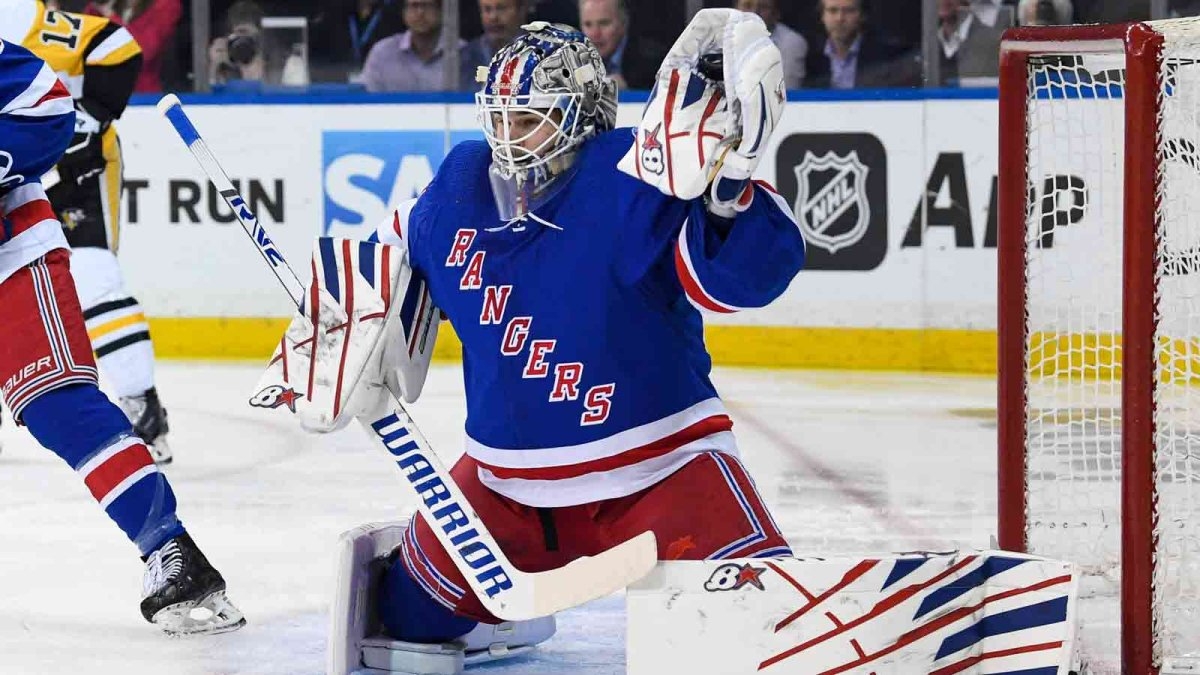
(117, 468)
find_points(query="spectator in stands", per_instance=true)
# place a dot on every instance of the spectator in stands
(970, 50)
(342, 34)
(243, 56)
(791, 44)
(850, 56)
(1045, 12)
(630, 59)
(245, 61)
(153, 24)
(502, 21)
(412, 60)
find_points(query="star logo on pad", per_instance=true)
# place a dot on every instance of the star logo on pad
(750, 575)
(652, 142)
(274, 396)
(288, 397)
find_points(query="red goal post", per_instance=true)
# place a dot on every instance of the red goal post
(1095, 390)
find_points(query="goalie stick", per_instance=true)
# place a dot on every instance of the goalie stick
(506, 592)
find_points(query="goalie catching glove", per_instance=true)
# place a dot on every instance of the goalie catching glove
(366, 324)
(704, 136)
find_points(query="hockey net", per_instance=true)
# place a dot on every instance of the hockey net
(1100, 327)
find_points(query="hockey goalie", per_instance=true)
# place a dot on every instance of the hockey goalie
(574, 261)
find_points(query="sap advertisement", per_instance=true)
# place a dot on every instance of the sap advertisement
(364, 174)
(897, 200)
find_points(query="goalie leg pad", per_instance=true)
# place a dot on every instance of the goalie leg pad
(956, 612)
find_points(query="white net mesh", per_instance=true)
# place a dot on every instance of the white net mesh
(1074, 242)
(1073, 314)
(1177, 354)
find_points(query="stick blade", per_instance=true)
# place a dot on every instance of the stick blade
(592, 577)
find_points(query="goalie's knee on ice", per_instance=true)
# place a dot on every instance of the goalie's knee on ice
(409, 613)
(423, 635)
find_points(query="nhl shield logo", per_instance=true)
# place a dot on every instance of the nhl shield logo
(831, 200)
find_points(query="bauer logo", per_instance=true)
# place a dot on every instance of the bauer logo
(366, 173)
(837, 185)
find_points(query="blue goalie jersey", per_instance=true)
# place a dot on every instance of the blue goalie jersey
(584, 362)
(37, 119)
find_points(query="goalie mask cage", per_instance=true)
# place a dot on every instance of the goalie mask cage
(1099, 328)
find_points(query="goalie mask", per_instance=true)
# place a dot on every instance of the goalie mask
(543, 95)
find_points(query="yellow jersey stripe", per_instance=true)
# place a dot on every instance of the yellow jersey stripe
(115, 325)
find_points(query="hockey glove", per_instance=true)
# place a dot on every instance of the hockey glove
(84, 157)
(704, 129)
(754, 84)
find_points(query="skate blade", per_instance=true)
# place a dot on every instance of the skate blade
(210, 616)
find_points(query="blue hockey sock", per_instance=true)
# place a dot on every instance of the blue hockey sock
(80, 425)
(409, 614)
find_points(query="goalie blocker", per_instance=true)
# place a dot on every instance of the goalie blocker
(366, 325)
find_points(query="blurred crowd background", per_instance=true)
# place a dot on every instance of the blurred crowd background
(438, 45)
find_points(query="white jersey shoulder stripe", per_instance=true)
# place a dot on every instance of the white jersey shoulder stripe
(33, 102)
(112, 43)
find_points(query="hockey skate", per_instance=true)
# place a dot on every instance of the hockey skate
(149, 421)
(184, 594)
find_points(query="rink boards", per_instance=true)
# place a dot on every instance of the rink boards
(895, 192)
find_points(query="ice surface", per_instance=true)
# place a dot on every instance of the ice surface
(849, 462)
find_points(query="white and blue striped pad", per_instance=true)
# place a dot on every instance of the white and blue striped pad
(330, 363)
